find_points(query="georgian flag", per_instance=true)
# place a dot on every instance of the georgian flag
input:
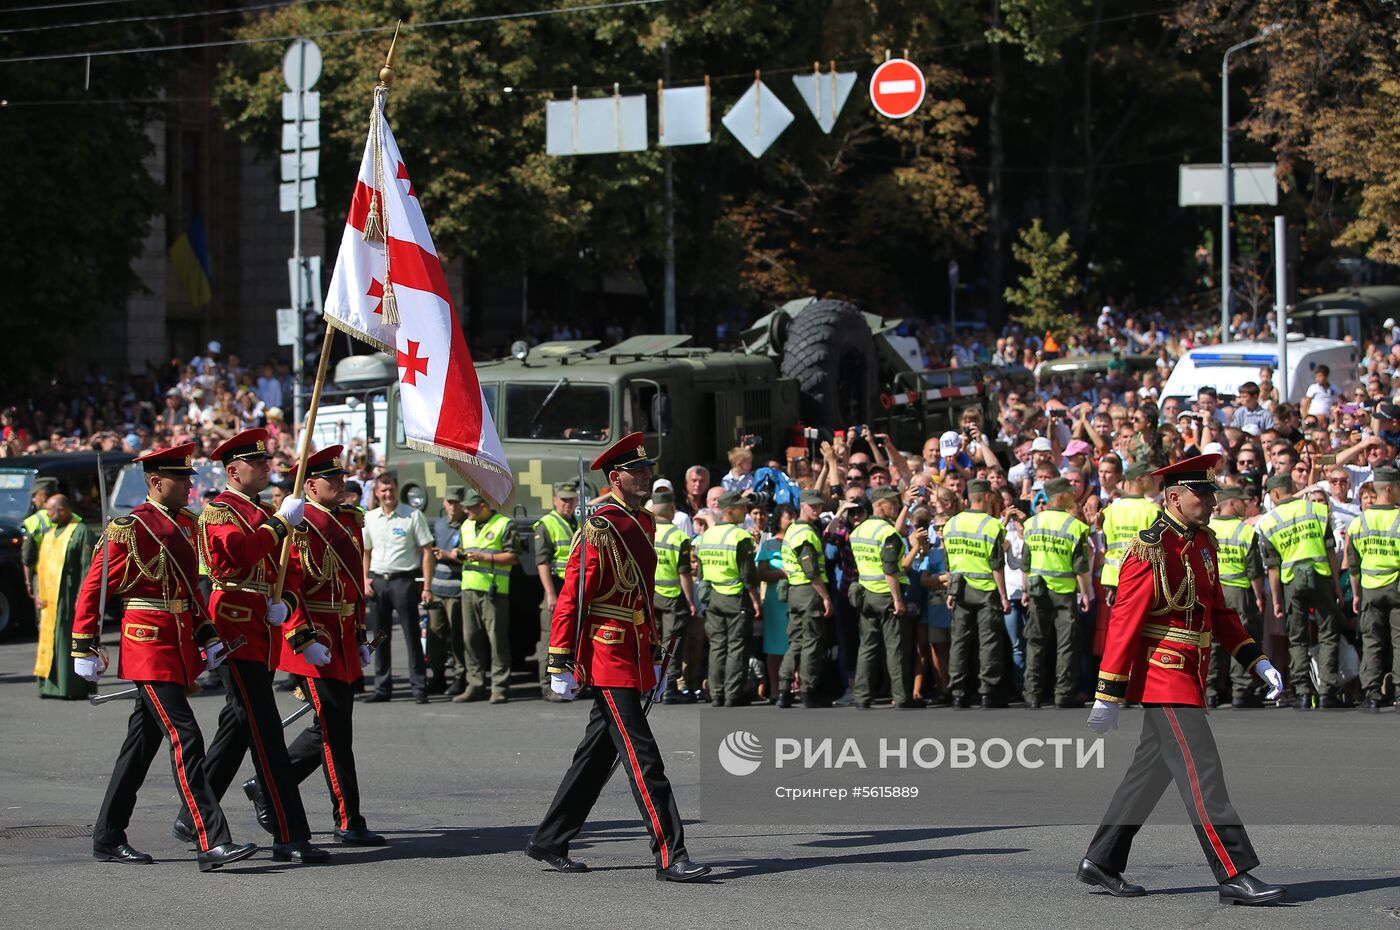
(442, 405)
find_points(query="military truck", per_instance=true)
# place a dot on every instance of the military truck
(809, 363)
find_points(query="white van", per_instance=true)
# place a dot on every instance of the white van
(1226, 367)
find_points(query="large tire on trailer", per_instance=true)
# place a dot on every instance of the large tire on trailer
(830, 352)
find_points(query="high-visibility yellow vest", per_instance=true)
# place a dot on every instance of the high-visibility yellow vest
(1122, 520)
(37, 523)
(490, 535)
(1233, 537)
(867, 540)
(1051, 538)
(719, 557)
(1298, 530)
(797, 536)
(561, 535)
(668, 541)
(1376, 535)
(971, 539)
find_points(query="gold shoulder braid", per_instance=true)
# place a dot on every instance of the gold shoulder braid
(216, 513)
(1147, 545)
(599, 534)
(318, 574)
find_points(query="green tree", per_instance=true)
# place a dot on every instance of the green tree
(1048, 285)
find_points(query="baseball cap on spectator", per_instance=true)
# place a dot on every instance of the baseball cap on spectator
(1250, 429)
(1214, 447)
(660, 483)
(274, 413)
(471, 497)
(455, 492)
(1041, 444)
(948, 443)
(215, 347)
(885, 492)
(1078, 447)
(662, 497)
(1387, 411)
(1389, 322)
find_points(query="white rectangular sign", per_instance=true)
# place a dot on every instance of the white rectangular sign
(684, 117)
(288, 326)
(310, 165)
(310, 107)
(287, 195)
(596, 126)
(310, 135)
(310, 284)
(1204, 185)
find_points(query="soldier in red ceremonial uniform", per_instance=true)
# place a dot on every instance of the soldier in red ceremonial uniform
(329, 559)
(240, 539)
(606, 637)
(148, 560)
(1158, 650)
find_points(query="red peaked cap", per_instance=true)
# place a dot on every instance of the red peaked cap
(326, 463)
(1197, 473)
(177, 460)
(248, 445)
(628, 452)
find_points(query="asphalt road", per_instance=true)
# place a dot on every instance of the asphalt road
(458, 789)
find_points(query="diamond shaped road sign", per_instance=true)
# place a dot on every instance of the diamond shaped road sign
(758, 119)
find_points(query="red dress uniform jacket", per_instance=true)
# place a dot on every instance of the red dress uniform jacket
(620, 635)
(1169, 606)
(153, 571)
(240, 540)
(328, 558)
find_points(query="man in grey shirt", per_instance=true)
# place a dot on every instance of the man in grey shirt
(1248, 409)
(398, 552)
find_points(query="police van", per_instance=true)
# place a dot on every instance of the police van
(1226, 367)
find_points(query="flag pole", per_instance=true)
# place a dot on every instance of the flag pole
(386, 77)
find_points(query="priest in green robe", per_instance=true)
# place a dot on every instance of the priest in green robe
(65, 552)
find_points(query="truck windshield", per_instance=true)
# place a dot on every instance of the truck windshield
(580, 412)
(14, 494)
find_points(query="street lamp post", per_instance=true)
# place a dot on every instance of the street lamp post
(1228, 176)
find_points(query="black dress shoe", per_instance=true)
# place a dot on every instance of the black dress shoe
(992, 702)
(1069, 704)
(420, 698)
(861, 705)
(557, 863)
(260, 808)
(456, 688)
(1246, 889)
(359, 836)
(682, 870)
(1111, 882)
(377, 697)
(211, 859)
(121, 852)
(1212, 701)
(962, 702)
(1303, 702)
(1033, 705)
(941, 699)
(1333, 702)
(1370, 706)
(689, 696)
(672, 696)
(299, 851)
(182, 831)
(785, 699)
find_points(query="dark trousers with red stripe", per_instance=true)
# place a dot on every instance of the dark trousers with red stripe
(1176, 745)
(616, 728)
(329, 744)
(250, 720)
(160, 712)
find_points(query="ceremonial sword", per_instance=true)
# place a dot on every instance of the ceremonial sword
(99, 651)
(220, 659)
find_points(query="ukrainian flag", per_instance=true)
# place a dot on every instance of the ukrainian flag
(190, 257)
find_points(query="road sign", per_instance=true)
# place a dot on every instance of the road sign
(308, 167)
(310, 282)
(310, 105)
(1204, 185)
(301, 66)
(287, 195)
(897, 88)
(288, 326)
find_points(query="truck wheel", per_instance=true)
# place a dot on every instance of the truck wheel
(830, 352)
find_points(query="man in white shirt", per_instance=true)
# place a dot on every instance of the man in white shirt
(398, 557)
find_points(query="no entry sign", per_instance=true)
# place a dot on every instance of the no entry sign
(897, 88)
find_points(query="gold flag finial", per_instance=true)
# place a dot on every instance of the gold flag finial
(386, 73)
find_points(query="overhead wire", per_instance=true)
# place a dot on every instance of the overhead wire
(198, 14)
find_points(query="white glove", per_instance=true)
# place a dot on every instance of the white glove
(89, 667)
(211, 655)
(277, 612)
(317, 655)
(364, 655)
(660, 688)
(1104, 717)
(292, 510)
(1271, 677)
(565, 685)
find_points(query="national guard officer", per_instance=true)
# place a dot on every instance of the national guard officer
(726, 552)
(167, 641)
(240, 538)
(878, 549)
(1168, 609)
(1058, 545)
(446, 632)
(675, 591)
(1241, 581)
(554, 535)
(490, 546)
(1298, 548)
(809, 602)
(330, 625)
(606, 636)
(1123, 519)
(974, 540)
(1373, 544)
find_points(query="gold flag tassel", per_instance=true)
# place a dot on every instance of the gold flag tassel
(391, 303)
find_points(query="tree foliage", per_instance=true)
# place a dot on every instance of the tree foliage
(1048, 285)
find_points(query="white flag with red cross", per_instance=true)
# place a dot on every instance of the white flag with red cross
(390, 291)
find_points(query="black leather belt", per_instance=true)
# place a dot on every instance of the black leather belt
(394, 576)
